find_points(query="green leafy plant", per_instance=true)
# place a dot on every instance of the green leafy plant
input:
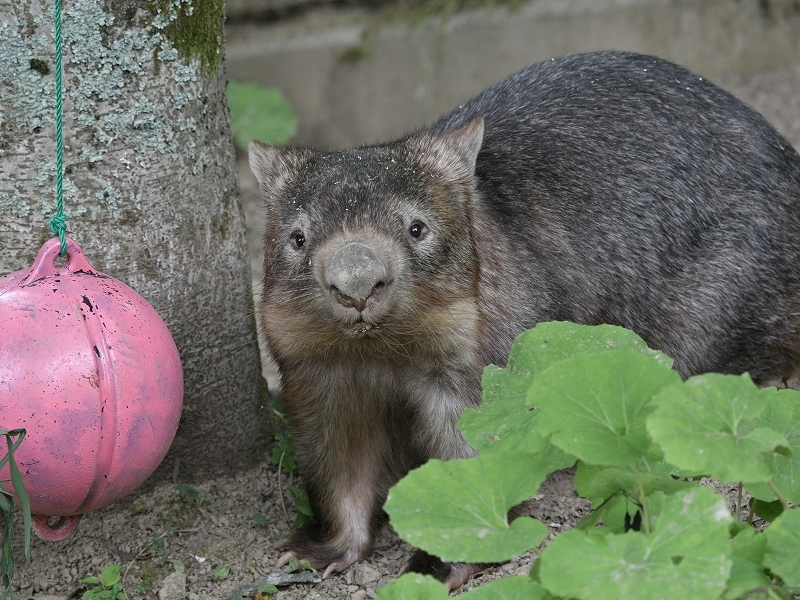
(13, 438)
(191, 493)
(158, 550)
(194, 496)
(259, 113)
(267, 588)
(301, 503)
(106, 586)
(221, 572)
(642, 440)
(283, 453)
(283, 457)
(177, 565)
(264, 592)
(295, 564)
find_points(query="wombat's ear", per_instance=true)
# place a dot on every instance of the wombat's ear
(452, 153)
(272, 166)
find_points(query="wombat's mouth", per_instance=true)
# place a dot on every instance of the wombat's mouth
(359, 316)
(360, 329)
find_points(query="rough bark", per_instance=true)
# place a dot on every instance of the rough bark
(151, 192)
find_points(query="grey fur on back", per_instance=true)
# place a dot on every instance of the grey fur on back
(634, 192)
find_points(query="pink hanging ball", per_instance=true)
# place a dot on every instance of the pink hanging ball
(89, 369)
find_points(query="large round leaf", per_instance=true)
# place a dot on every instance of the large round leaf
(457, 510)
(709, 425)
(595, 405)
(687, 555)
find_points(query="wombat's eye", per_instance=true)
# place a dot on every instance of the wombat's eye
(298, 239)
(418, 230)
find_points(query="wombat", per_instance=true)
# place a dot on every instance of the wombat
(598, 188)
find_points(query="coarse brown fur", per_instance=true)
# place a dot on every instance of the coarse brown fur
(601, 188)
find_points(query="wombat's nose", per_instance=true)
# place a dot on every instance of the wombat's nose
(355, 272)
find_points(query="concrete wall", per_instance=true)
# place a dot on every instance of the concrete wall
(353, 77)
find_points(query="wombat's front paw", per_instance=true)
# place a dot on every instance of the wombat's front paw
(309, 544)
(454, 575)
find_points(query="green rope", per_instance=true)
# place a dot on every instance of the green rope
(58, 224)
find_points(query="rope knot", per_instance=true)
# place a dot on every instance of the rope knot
(58, 225)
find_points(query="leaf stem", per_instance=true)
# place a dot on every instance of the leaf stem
(642, 499)
(777, 492)
(739, 503)
(280, 488)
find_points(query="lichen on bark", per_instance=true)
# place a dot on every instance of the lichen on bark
(114, 54)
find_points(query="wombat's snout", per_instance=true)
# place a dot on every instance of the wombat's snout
(357, 275)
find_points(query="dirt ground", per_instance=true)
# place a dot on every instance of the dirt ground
(147, 533)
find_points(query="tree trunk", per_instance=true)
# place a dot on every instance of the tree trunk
(150, 190)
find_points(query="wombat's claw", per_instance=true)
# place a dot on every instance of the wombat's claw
(454, 575)
(288, 556)
(331, 568)
(280, 543)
